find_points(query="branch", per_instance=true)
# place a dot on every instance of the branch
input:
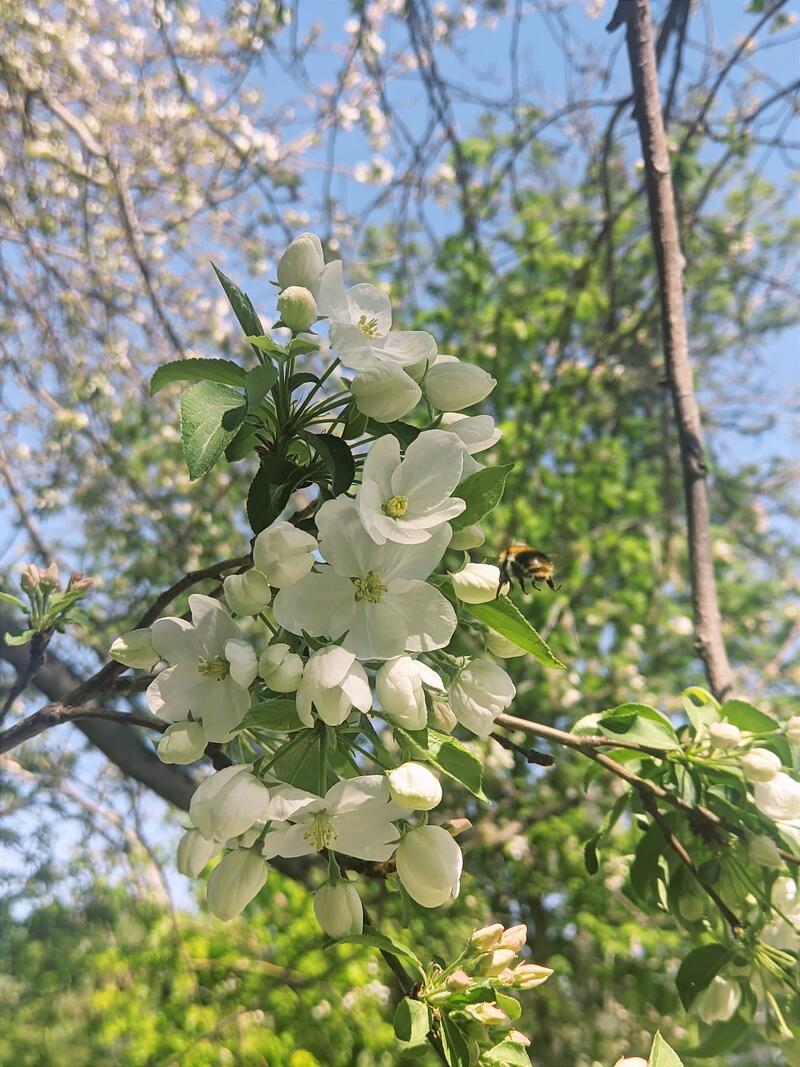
(56, 713)
(635, 15)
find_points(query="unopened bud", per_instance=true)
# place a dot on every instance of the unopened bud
(489, 1014)
(724, 735)
(529, 975)
(49, 579)
(793, 731)
(30, 577)
(135, 649)
(455, 827)
(514, 937)
(80, 581)
(762, 849)
(518, 1038)
(442, 717)
(497, 961)
(760, 765)
(485, 939)
(297, 308)
(458, 981)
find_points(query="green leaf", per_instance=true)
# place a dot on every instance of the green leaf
(14, 601)
(590, 860)
(412, 1021)
(456, 1049)
(661, 1055)
(502, 616)
(303, 378)
(243, 443)
(355, 423)
(446, 754)
(639, 723)
(203, 435)
(386, 944)
(506, 1054)
(645, 869)
(301, 346)
(279, 714)
(266, 344)
(241, 304)
(718, 1038)
(403, 431)
(222, 371)
(275, 481)
(747, 717)
(337, 457)
(510, 1005)
(698, 968)
(16, 640)
(482, 491)
(258, 383)
(298, 761)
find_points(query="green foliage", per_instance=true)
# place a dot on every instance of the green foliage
(482, 492)
(210, 416)
(446, 754)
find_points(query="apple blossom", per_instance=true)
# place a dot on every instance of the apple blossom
(404, 500)
(235, 881)
(459, 980)
(338, 910)
(135, 649)
(476, 433)
(487, 937)
(334, 683)
(297, 308)
(719, 1000)
(247, 593)
(478, 694)
(451, 385)
(476, 583)
(724, 735)
(354, 817)
(514, 937)
(183, 742)
(399, 688)
(360, 324)
(209, 672)
(762, 849)
(194, 852)
(414, 786)
(779, 798)
(530, 975)
(497, 961)
(385, 392)
(229, 802)
(280, 668)
(370, 596)
(793, 731)
(302, 263)
(631, 1061)
(760, 765)
(429, 865)
(283, 554)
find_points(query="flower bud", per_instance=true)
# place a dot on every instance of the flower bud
(488, 1014)
(385, 392)
(719, 1001)
(338, 910)
(724, 735)
(518, 1038)
(497, 962)
(479, 693)
(477, 583)
(183, 742)
(228, 802)
(487, 938)
(452, 386)
(414, 786)
(283, 554)
(49, 579)
(194, 852)
(442, 717)
(429, 865)
(455, 827)
(762, 849)
(760, 765)
(631, 1061)
(399, 688)
(779, 798)
(297, 308)
(514, 937)
(468, 537)
(280, 668)
(247, 593)
(501, 646)
(135, 649)
(529, 975)
(233, 883)
(793, 731)
(458, 981)
(30, 577)
(79, 582)
(302, 262)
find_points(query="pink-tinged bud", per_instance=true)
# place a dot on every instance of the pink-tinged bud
(514, 937)
(455, 827)
(485, 939)
(80, 581)
(49, 579)
(518, 1037)
(489, 1014)
(529, 975)
(497, 962)
(30, 577)
(458, 981)
(506, 977)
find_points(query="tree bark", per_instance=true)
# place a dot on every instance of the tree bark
(635, 16)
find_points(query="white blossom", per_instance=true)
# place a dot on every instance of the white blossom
(476, 583)
(429, 866)
(779, 798)
(338, 910)
(451, 385)
(284, 554)
(135, 649)
(760, 765)
(792, 730)
(183, 742)
(280, 668)
(476, 433)
(302, 263)
(370, 596)
(385, 392)
(399, 688)
(248, 593)
(719, 1000)
(235, 881)
(724, 735)
(478, 694)
(414, 786)
(403, 500)
(194, 852)
(334, 683)
(229, 802)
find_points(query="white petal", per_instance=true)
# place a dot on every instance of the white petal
(328, 667)
(175, 640)
(356, 688)
(344, 542)
(320, 604)
(371, 303)
(369, 502)
(352, 794)
(213, 624)
(332, 706)
(377, 631)
(331, 297)
(406, 347)
(288, 841)
(429, 618)
(430, 470)
(378, 844)
(288, 802)
(413, 561)
(351, 346)
(381, 462)
(243, 662)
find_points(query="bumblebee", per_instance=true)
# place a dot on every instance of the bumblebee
(523, 563)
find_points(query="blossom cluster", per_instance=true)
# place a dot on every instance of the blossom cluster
(337, 626)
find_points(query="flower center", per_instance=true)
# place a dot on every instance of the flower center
(369, 588)
(395, 506)
(369, 327)
(320, 831)
(217, 668)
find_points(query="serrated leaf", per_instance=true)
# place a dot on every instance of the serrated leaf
(506, 1054)
(222, 371)
(258, 383)
(386, 944)
(412, 1021)
(203, 436)
(698, 968)
(661, 1055)
(482, 492)
(243, 443)
(279, 714)
(337, 457)
(270, 489)
(446, 754)
(456, 1049)
(301, 346)
(747, 717)
(636, 723)
(240, 302)
(502, 616)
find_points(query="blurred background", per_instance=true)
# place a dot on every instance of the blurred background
(480, 161)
